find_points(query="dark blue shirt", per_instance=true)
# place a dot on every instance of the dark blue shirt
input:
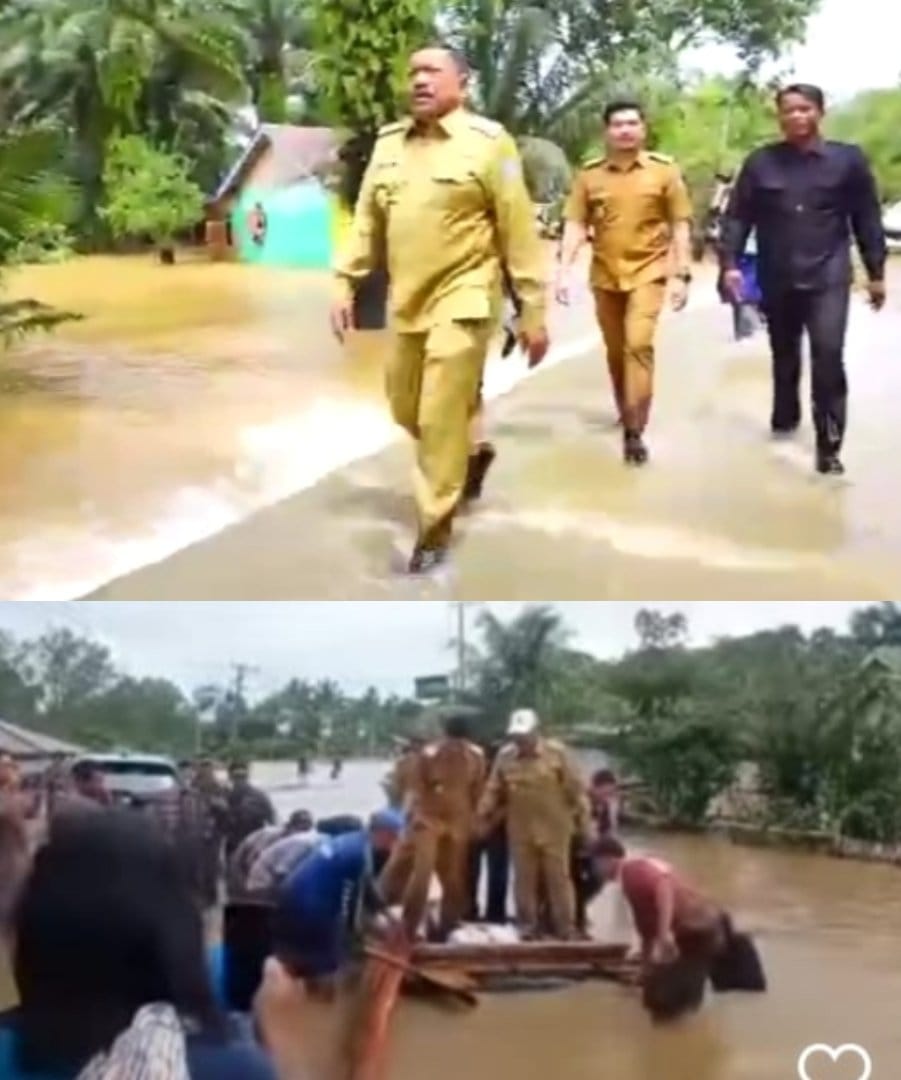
(323, 887)
(804, 206)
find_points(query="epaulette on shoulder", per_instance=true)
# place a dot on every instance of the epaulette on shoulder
(664, 159)
(592, 163)
(392, 129)
(484, 126)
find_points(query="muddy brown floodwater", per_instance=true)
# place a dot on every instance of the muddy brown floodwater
(829, 931)
(186, 397)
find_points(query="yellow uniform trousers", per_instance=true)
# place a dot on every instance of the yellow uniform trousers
(433, 383)
(628, 321)
(541, 870)
(429, 848)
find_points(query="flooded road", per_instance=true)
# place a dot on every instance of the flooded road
(193, 398)
(829, 930)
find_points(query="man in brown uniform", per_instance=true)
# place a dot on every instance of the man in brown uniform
(634, 205)
(539, 788)
(447, 784)
(444, 199)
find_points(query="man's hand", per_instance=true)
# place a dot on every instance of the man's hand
(342, 318)
(734, 284)
(534, 344)
(561, 287)
(876, 295)
(280, 1010)
(664, 950)
(679, 294)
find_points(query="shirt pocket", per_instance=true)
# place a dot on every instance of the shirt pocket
(387, 185)
(455, 190)
(598, 205)
(774, 195)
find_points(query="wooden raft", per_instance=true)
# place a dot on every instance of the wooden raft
(575, 959)
(456, 971)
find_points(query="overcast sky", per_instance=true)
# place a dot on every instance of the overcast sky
(359, 644)
(829, 56)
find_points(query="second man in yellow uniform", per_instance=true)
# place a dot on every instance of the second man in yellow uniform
(444, 199)
(537, 788)
(633, 207)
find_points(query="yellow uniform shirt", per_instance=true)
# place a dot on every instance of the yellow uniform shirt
(630, 213)
(445, 206)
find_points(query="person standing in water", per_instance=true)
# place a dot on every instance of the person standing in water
(444, 197)
(805, 196)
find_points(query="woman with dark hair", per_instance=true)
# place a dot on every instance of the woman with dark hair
(109, 953)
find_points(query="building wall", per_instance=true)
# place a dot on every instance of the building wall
(301, 220)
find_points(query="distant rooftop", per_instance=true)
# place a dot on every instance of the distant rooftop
(23, 742)
(298, 152)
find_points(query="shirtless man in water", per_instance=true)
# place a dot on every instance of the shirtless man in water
(673, 920)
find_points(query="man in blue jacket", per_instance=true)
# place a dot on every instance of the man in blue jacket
(322, 903)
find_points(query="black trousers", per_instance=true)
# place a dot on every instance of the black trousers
(496, 852)
(823, 314)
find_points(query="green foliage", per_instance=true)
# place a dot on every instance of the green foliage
(873, 120)
(33, 197)
(363, 47)
(149, 192)
(546, 170)
(44, 242)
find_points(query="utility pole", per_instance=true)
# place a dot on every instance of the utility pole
(461, 649)
(238, 700)
(461, 681)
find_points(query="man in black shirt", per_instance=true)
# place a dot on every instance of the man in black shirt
(804, 196)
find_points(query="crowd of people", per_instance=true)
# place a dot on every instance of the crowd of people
(115, 958)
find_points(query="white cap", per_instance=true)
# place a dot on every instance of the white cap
(523, 722)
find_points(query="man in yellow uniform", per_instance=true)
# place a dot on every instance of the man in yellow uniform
(538, 787)
(447, 783)
(444, 199)
(634, 207)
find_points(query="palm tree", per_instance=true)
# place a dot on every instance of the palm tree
(278, 56)
(30, 193)
(516, 660)
(107, 67)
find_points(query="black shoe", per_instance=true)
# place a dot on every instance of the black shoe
(829, 463)
(634, 450)
(480, 461)
(425, 560)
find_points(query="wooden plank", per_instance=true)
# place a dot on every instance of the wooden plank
(482, 955)
(379, 992)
